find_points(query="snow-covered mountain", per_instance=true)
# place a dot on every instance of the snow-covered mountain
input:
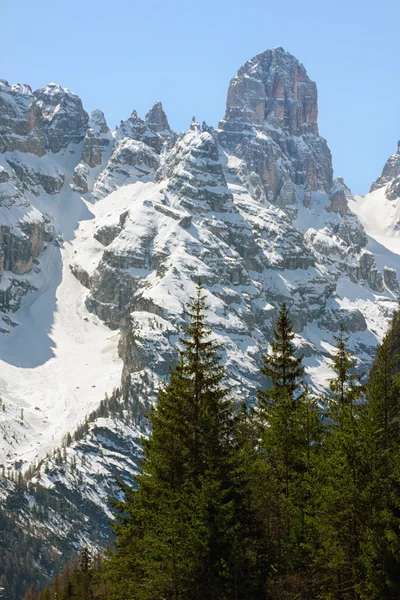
(104, 235)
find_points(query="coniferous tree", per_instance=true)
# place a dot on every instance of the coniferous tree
(85, 575)
(338, 489)
(282, 366)
(179, 534)
(380, 428)
(290, 427)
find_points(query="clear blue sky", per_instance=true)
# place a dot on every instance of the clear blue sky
(124, 54)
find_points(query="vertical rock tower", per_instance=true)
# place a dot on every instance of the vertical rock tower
(271, 122)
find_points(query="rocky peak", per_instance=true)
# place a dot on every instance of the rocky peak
(271, 122)
(139, 130)
(156, 119)
(390, 174)
(97, 123)
(64, 118)
(21, 123)
(338, 194)
(48, 119)
(195, 173)
(194, 125)
(274, 90)
(97, 139)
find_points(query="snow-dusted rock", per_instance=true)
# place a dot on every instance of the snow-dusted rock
(390, 173)
(271, 122)
(139, 216)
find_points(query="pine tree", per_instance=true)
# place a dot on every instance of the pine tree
(289, 421)
(282, 366)
(179, 534)
(380, 427)
(85, 575)
(338, 489)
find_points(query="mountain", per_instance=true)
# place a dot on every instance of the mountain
(103, 236)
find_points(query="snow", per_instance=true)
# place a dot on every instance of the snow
(380, 218)
(60, 360)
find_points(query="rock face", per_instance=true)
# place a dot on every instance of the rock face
(271, 122)
(157, 121)
(390, 175)
(251, 208)
(98, 138)
(48, 119)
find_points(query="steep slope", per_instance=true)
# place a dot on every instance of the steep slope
(379, 212)
(104, 236)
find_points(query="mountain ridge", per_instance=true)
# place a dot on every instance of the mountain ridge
(104, 236)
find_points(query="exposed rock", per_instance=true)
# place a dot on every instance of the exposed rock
(4, 175)
(51, 182)
(390, 279)
(81, 176)
(21, 121)
(137, 129)
(156, 119)
(48, 119)
(393, 189)
(82, 276)
(352, 320)
(338, 197)
(370, 272)
(20, 248)
(64, 118)
(271, 122)
(107, 234)
(130, 160)
(391, 170)
(98, 140)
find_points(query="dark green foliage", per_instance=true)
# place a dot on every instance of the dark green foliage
(381, 447)
(187, 532)
(282, 366)
(290, 429)
(295, 499)
(338, 483)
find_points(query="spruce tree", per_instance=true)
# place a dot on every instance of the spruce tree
(380, 428)
(179, 534)
(283, 368)
(85, 575)
(339, 519)
(289, 421)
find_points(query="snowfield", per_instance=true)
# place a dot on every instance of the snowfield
(60, 360)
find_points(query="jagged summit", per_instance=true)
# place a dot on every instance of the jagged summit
(271, 121)
(102, 240)
(156, 118)
(273, 89)
(390, 175)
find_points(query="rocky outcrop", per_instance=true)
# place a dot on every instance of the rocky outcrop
(37, 180)
(352, 320)
(64, 119)
(81, 178)
(271, 122)
(82, 276)
(390, 280)
(157, 121)
(391, 171)
(148, 130)
(35, 122)
(131, 160)
(370, 272)
(98, 139)
(22, 246)
(338, 197)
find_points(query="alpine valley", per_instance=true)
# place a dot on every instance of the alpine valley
(103, 237)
